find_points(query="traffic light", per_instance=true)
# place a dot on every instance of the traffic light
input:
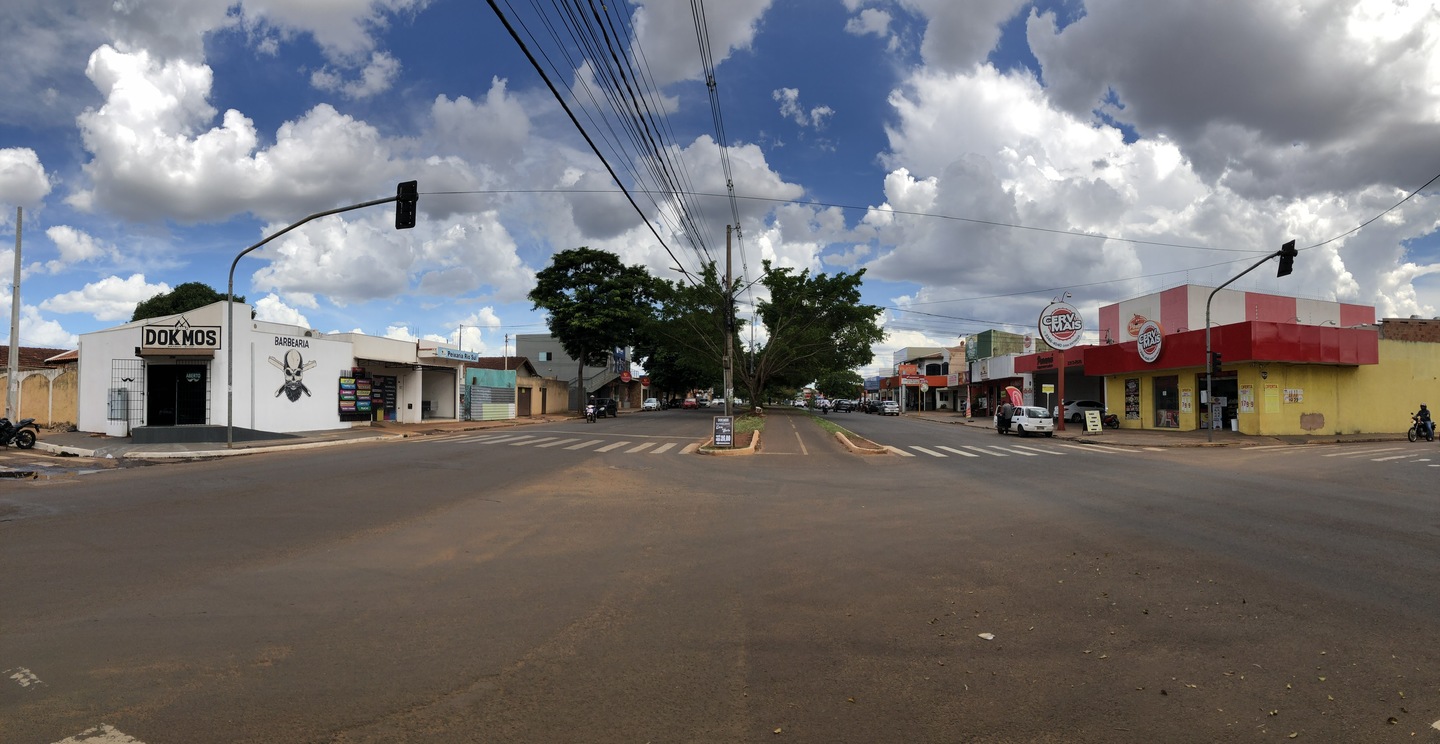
(406, 195)
(1215, 364)
(1287, 259)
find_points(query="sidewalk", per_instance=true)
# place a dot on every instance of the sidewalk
(84, 444)
(1163, 437)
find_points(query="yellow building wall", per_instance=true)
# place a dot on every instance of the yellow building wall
(1308, 399)
(51, 397)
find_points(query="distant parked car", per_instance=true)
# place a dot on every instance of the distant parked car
(690, 403)
(1075, 409)
(650, 404)
(889, 408)
(843, 406)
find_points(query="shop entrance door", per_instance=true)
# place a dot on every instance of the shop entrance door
(176, 394)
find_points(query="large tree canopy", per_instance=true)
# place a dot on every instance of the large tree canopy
(682, 347)
(595, 303)
(181, 299)
(815, 326)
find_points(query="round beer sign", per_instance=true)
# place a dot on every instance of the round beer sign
(1148, 341)
(1060, 325)
(624, 376)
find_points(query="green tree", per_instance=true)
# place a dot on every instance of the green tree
(682, 347)
(181, 299)
(815, 326)
(595, 303)
(840, 383)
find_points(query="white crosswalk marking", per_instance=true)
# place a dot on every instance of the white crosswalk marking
(929, 452)
(898, 451)
(662, 448)
(526, 443)
(1016, 451)
(608, 447)
(508, 438)
(641, 448)
(984, 451)
(557, 443)
(1095, 448)
(583, 445)
(956, 451)
(1039, 451)
(1392, 457)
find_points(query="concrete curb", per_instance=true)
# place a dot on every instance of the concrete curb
(208, 454)
(857, 449)
(706, 449)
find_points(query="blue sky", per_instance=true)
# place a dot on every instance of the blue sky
(975, 158)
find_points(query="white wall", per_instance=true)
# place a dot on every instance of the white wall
(319, 362)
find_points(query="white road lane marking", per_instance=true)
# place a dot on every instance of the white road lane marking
(1362, 453)
(898, 451)
(640, 448)
(956, 451)
(1016, 451)
(607, 447)
(102, 734)
(1095, 448)
(984, 451)
(1392, 457)
(662, 448)
(535, 442)
(23, 677)
(583, 445)
(929, 452)
(557, 443)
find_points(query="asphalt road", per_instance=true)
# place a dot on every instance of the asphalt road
(588, 583)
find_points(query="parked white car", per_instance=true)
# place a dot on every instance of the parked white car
(1027, 420)
(1075, 409)
(650, 404)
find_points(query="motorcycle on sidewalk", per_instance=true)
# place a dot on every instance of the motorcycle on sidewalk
(1420, 429)
(22, 435)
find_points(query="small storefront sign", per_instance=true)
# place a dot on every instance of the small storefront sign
(724, 431)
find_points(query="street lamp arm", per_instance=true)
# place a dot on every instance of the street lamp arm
(230, 309)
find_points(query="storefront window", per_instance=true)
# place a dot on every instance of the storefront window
(1167, 402)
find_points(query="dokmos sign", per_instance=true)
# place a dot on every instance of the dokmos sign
(181, 335)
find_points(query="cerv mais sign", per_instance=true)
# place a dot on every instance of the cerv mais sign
(1060, 325)
(180, 335)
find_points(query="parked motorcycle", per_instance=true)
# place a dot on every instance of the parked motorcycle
(1111, 420)
(21, 435)
(1419, 429)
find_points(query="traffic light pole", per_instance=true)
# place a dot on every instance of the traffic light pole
(1288, 251)
(405, 194)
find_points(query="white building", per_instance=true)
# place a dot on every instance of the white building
(172, 372)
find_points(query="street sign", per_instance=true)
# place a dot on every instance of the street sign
(724, 431)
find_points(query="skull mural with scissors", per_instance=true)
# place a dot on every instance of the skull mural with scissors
(294, 366)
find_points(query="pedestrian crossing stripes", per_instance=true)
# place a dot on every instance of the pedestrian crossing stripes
(1002, 450)
(623, 446)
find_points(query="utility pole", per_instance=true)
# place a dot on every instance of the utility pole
(729, 325)
(12, 387)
